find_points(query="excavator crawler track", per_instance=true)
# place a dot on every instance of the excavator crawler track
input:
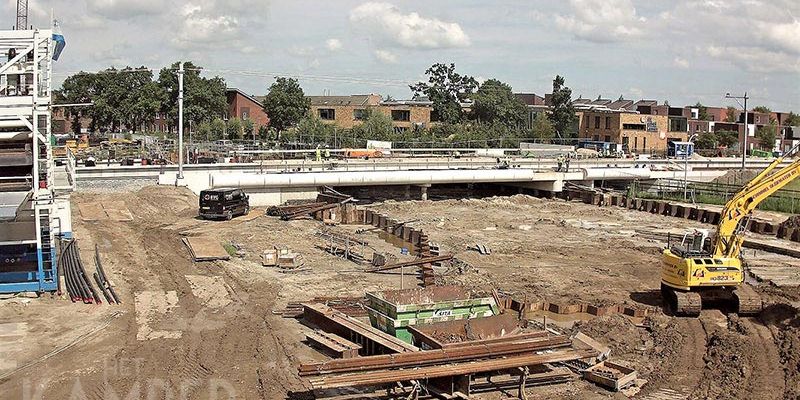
(749, 302)
(685, 304)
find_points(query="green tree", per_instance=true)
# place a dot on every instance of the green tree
(143, 97)
(285, 104)
(312, 130)
(730, 114)
(563, 113)
(446, 89)
(792, 119)
(204, 131)
(235, 129)
(707, 140)
(727, 138)
(762, 109)
(766, 136)
(542, 127)
(264, 133)
(248, 127)
(376, 126)
(203, 98)
(702, 111)
(217, 126)
(77, 89)
(495, 101)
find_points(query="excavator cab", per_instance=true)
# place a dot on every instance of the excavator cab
(695, 243)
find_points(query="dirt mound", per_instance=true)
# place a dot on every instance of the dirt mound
(784, 323)
(727, 366)
(736, 177)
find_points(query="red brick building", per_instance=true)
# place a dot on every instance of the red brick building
(244, 106)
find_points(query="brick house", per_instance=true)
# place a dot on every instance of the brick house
(347, 112)
(244, 106)
(638, 132)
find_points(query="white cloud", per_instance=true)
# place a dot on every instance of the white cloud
(680, 62)
(784, 36)
(333, 44)
(602, 20)
(755, 59)
(385, 56)
(301, 51)
(199, 28)
(408, 30)
(122, 9)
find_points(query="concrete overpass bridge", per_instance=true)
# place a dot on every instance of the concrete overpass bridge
(276, 181)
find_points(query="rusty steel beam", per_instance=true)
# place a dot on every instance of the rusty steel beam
(419, 261)
(437, 356)
(438, 371)
(373, 340)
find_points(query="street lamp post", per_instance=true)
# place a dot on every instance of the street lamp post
(686, 166)
(744, 140)
(180, 121)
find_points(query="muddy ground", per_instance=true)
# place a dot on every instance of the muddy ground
(208, 330)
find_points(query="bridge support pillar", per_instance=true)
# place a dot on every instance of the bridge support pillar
(423, 191)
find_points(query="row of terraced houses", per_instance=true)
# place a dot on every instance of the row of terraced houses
(641, 126)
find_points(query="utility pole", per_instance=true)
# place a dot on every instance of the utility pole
(744, 140)
(180, 122)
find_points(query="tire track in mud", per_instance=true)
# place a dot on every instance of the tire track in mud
(690, 361)
(767, 380)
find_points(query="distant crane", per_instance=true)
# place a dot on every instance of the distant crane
(22, 14)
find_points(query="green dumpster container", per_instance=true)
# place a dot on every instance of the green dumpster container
(393, 311)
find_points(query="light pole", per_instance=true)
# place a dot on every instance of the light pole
(180, 121)
(686, 165)
(744, 141)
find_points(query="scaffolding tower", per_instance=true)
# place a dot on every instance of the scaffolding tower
(28, 226)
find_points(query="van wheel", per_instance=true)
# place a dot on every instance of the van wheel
(246, 210)
(229, 216)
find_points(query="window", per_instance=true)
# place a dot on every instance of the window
(401, 115)
(327, 114)
(608, 124)
(435, 116)
(633, 127)
(596, 122)
(359, 114)
(400, 129)
(608, 138)
(596, 138)
(245, 112)
(644, 143)
(635, 142)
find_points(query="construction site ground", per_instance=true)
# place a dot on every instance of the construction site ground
(214, 329)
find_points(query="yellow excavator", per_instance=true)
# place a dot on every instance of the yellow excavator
(703, 269)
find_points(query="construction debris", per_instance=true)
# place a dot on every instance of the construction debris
(339, 346)
(482, 249)
(78, 284)
(611, 375)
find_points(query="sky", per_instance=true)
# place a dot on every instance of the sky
(682, 51)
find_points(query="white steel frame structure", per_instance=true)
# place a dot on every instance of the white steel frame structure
(25, 101)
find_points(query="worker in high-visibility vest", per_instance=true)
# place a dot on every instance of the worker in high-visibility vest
(319, 154)
(327, 153)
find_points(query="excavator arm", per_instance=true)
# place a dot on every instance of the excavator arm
(729, 237)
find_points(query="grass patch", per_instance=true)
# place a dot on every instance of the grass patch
(231, 249)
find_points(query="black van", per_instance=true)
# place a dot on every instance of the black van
(223, 203)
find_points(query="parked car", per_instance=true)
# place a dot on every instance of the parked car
(223, 203)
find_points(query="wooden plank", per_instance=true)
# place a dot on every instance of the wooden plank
(204, 248)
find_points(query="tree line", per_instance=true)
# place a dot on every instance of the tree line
(467, 112)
